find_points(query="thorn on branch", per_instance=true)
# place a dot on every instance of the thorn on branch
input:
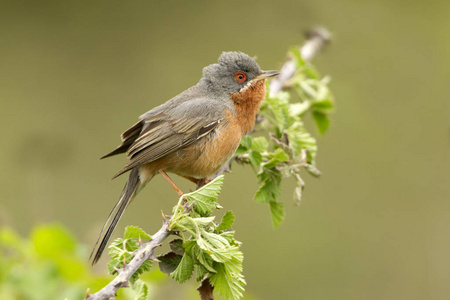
(121, 283)
(86, 295)
(152, 258)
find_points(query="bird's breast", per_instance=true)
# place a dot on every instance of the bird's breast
(246, 104)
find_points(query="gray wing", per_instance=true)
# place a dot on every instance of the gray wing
(173, 129)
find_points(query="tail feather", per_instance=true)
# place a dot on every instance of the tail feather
(128, 193)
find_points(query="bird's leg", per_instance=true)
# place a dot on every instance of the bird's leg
(172, 184)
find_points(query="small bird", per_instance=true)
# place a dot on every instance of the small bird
(193, 134)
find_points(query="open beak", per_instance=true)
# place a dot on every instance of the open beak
(265, 74)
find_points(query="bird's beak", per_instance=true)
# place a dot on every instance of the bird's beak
(265, 74)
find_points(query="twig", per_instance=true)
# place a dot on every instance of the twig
(206, 290)
(144, 253)
(317, 38)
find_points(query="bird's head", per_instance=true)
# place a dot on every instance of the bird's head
(234, 72)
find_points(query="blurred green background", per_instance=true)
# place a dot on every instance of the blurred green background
(376, 225)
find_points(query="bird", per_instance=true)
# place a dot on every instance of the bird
(193, 135)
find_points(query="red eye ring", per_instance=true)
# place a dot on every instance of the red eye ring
(240, 76)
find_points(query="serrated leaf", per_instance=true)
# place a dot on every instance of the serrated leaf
(206, 197)
(276, 109)
(255, 159)
(184, 270)
(134, 232)
(277, 157)
(325, 105)
(277, 212)
(189, 247)
(322, 121)
(169, 262)
(229, 236)
(260, 144)
(228, 281)
(262, 195)
(246, 142)
(140, 289)
(298, 109)
(205, 260)
(300, 140)
(177, 246)
(203, 221)
(240, 150)
(200, 272)
(226, 222)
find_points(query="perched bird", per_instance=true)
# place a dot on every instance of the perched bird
(193, 134)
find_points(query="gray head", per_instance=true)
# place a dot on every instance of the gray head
(234, 71)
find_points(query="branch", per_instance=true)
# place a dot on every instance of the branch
(206, 290)
(317, 38)
(144, 253)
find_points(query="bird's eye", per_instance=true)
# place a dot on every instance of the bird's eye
(240, 76)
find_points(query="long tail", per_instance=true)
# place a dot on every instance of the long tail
(128, 193)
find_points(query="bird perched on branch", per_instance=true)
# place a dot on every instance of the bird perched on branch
(193, 134)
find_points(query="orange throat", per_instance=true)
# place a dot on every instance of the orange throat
(247, 102)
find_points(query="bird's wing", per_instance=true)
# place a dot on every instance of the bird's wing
(177, 127)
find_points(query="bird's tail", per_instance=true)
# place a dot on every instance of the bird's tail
(129, 191)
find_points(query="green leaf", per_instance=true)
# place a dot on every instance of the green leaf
(52, 240)
(205, 260)
(169, 262)
(276, 158)
(325, 105)
(203, 221)
(240, 150)
(260, 144)
(226, 222)
(298, 109)
(184, 270)
(255, 158)
(177, 246)
(321, 120)
(141, 290)
(262, 195)
(246, 142)
(134, 232)
(300, 140)
(200, 273)
(277, 212)
(276, 110)
(206, 197)
(228, 281)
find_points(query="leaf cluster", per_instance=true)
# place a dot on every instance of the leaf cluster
(206, 246)
(284, 146)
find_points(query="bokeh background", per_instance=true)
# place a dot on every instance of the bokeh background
(376, 225)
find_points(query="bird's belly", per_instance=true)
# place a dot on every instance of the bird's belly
(205, 157)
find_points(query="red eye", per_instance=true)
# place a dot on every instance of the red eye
(240, 76)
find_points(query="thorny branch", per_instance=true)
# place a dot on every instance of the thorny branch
(317, 38)
(145, 252)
